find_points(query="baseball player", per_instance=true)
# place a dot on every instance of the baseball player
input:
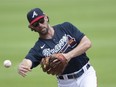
(65, 39)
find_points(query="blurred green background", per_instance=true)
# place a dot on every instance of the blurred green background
(96, 18)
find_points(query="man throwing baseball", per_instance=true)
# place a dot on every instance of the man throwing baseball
(60, 50)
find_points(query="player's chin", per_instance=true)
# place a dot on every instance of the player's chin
(43, 31)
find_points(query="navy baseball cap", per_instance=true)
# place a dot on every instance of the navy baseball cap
(34, 15)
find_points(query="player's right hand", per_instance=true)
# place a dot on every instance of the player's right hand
(24, 67)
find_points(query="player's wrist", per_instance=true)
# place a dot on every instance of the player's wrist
(68, 57)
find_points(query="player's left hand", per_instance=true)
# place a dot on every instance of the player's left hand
(54, 64)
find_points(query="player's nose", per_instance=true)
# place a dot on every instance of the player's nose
(40, 24)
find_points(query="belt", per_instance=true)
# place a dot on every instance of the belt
(75, 75)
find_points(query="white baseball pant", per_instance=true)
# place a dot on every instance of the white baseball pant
(87, 79)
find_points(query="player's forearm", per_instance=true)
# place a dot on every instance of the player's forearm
(83, 46)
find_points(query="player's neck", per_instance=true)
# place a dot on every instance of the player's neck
(49, 35)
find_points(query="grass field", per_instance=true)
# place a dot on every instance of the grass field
(96, 18)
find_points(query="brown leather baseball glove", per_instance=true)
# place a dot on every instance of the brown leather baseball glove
(54, 64)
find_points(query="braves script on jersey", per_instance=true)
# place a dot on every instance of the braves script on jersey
(65, 39)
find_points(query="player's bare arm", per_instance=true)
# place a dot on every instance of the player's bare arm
(24, 67)
(83, 46)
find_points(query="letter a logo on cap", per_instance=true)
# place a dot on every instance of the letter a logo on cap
(34, 14)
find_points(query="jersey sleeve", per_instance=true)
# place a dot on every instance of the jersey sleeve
(34, 57)
(74, 31)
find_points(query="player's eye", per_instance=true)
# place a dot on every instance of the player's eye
(35, 24)
(41, 20)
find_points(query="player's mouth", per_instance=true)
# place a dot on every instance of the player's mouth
(44, 31)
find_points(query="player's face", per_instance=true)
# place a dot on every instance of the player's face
(41, 26)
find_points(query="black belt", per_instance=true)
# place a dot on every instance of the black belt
(76, 75)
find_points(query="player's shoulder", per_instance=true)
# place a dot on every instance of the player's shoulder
(66, 23)
(38, 44)
(63, 24)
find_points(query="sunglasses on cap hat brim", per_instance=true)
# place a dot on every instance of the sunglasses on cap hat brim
(40, 21)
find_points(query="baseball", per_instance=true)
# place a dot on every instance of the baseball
(7, 63)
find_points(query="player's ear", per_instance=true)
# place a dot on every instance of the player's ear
(46, 18)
